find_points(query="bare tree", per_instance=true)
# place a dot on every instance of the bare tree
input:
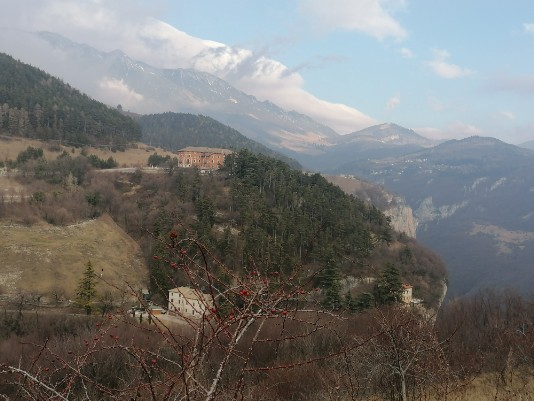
(253, 324)
(405, 360)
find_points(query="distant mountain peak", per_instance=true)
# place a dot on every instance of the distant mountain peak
(387, 133)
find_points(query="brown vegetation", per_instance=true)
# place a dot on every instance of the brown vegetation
(136, 156)
(46, 261)
(266, 338)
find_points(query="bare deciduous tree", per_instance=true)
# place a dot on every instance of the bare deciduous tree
(252, 324)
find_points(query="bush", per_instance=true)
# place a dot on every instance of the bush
(30, 153)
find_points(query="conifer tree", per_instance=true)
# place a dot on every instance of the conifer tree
(364, 301)
(388, 289)
(331, 285)
(86, 292)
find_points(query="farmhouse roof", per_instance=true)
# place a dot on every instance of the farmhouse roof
(205, 150)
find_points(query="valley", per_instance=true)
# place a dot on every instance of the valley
(307, 265)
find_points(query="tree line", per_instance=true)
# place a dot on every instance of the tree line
(36, 105)
(255, 208)
(175, 131)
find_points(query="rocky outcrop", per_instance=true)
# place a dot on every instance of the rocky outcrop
(427, 211)
(393, 206)
(402, 218)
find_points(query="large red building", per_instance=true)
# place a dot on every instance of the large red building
(202, 158)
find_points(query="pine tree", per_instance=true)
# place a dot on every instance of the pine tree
(86, 292)
(364, 301)
(350, 302)
(388, 289)
(330, 284)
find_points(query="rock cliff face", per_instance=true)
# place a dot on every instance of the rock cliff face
(402, 218)
(393, 206)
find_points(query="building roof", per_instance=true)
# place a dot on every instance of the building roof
(205, 150)
(190, 293)
(406, 286)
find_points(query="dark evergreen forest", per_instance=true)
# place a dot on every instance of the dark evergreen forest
(175, 131)
(36, 105)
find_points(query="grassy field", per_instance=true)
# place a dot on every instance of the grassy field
(10, 147)
(519, 386)
(48, 261)
(44, 259)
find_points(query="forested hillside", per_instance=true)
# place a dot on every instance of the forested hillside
(175, 131)
(305, 280)
(35, 104)
(254, 210)
(277, 247)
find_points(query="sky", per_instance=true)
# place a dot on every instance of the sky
(447, 69)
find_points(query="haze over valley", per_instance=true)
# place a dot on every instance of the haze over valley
(344, 195)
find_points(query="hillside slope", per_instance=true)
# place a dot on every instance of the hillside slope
(45, 259)
(37, 105)
(255, 207)
(146, 89)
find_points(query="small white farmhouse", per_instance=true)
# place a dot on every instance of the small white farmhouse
(188, 302)
(407, 296)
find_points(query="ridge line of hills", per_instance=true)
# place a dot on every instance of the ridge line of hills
(389, 155)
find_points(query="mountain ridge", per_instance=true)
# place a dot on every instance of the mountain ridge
(114, 78)
(472, 199)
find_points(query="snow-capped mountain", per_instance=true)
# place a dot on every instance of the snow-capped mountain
(114, 78)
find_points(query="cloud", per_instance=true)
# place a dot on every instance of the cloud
(115, 91)
(320, 62)
(462, 130)
(529, 27)
(518, 84)
(456, 130)
(393, 102)
(372, 17)
(431, 133)
(507, 115)
(406, 53)
(444, 69)
(134, 27)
